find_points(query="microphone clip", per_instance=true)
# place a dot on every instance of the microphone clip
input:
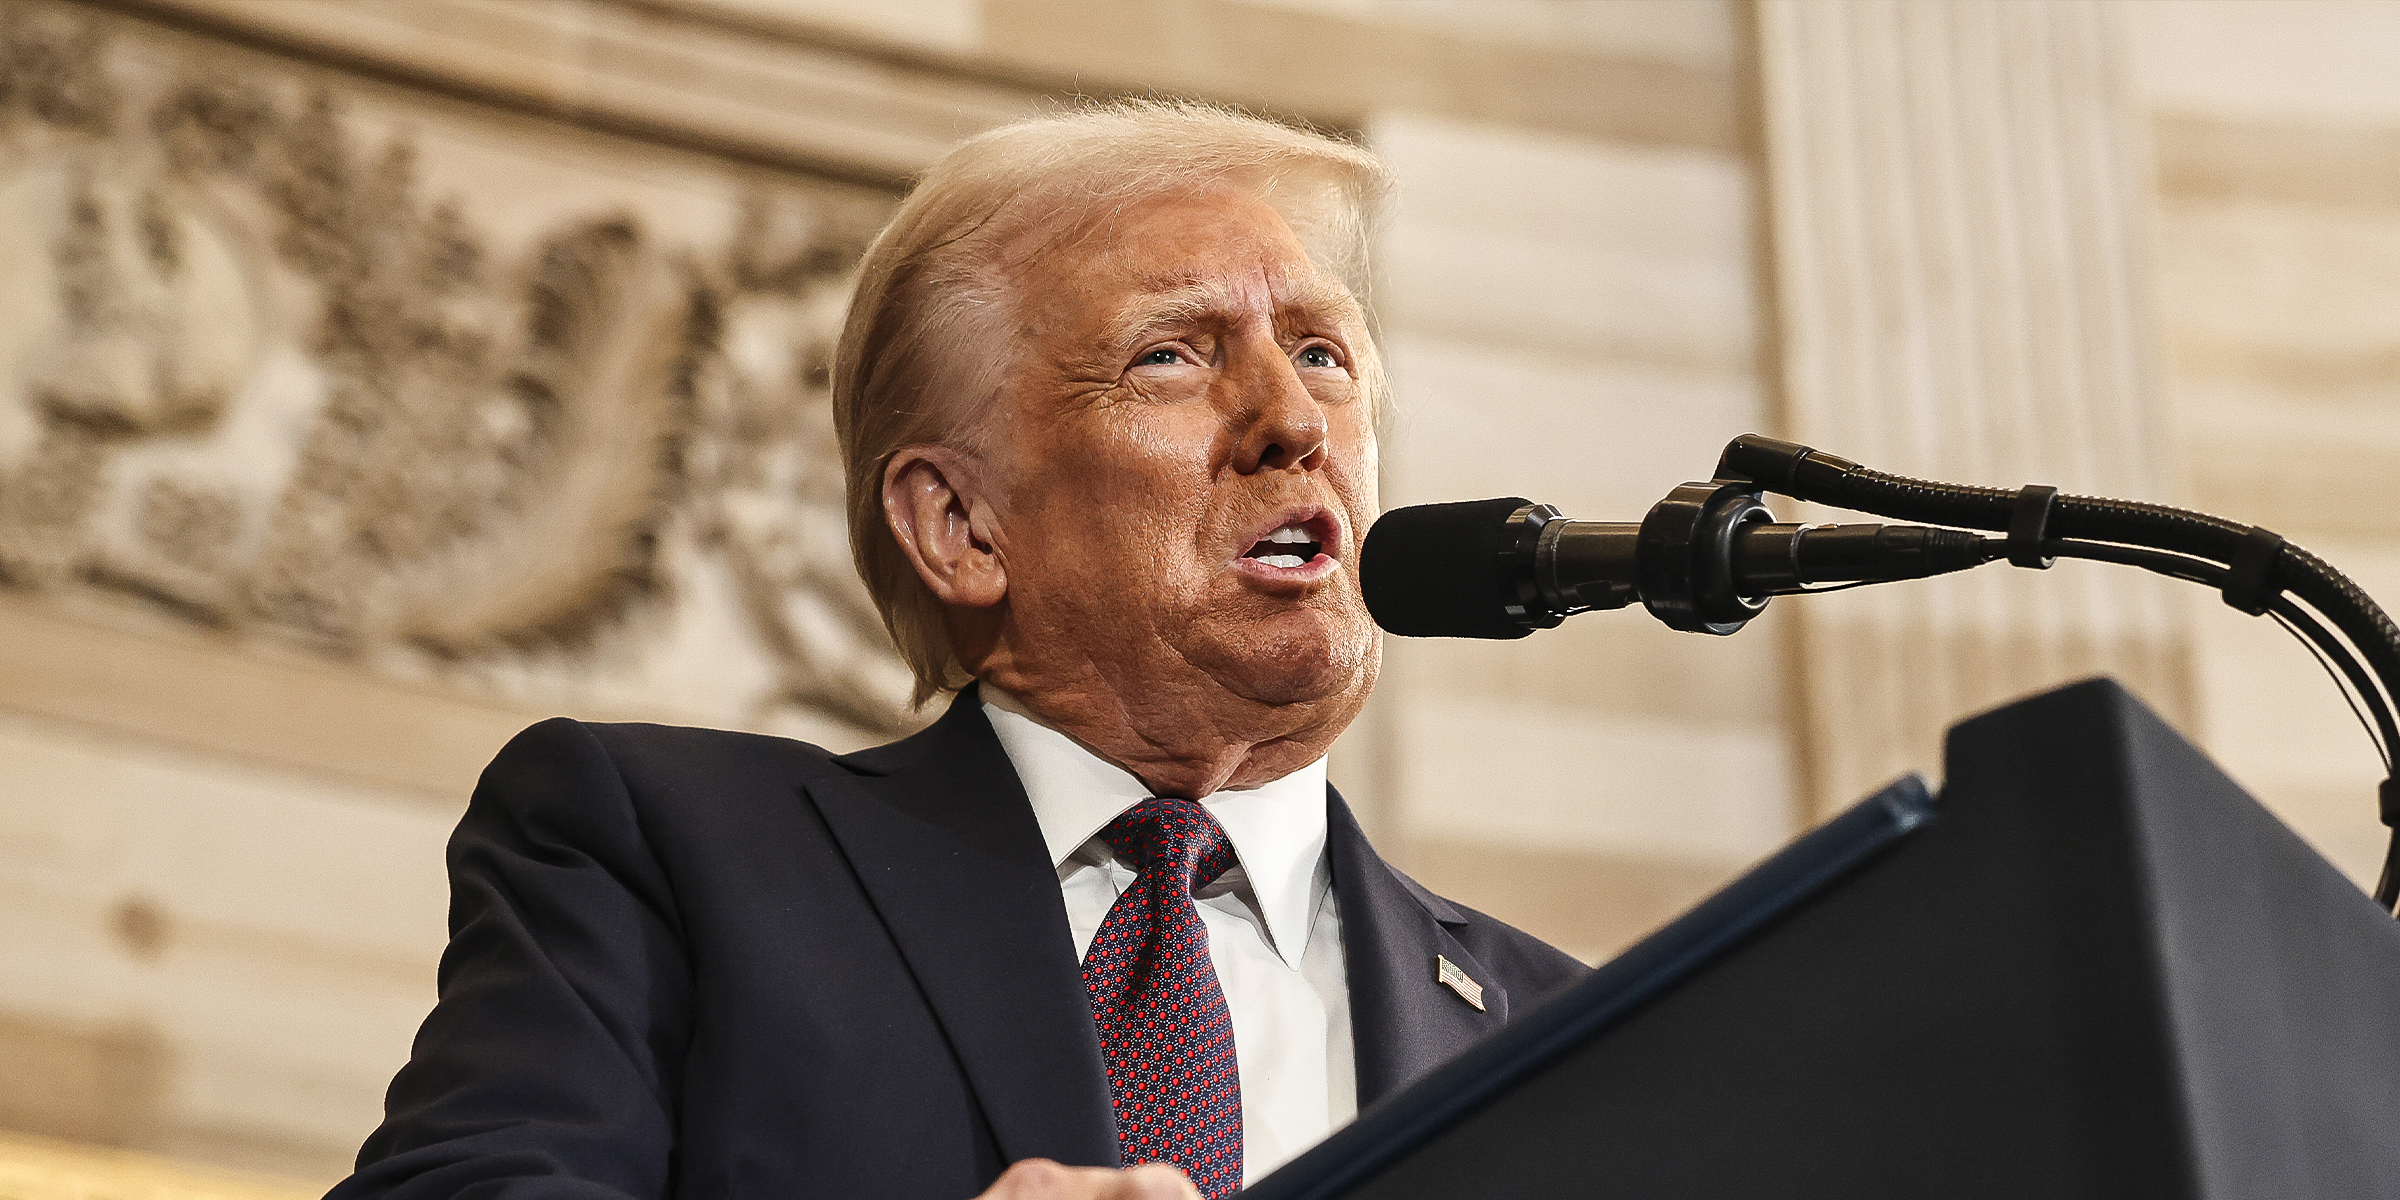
(1685, 556)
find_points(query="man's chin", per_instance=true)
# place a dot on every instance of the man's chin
(1280, 671)
(1278, 690)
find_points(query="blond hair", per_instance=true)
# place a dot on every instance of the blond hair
(921, 356)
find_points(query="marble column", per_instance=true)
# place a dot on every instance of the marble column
(1957, 197)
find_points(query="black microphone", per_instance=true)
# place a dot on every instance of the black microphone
(1706, 559)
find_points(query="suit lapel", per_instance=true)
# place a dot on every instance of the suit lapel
(944, 841)
(1403, 1022)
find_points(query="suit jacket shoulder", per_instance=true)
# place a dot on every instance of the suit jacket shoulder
(667, 974)
(1537, 967)
(1405, 1019)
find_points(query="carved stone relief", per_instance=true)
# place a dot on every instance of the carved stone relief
(260, 376)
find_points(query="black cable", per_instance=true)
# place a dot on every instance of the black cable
(2154, 526)
(2326, 646)
(2176, 566)
(1808, 474)
(2202, 548)
(2341, 684)
(1821, 589)
(2356, 686)
(2321, 642)
(2382, 730)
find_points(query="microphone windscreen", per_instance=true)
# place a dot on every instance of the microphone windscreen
(1433, 570)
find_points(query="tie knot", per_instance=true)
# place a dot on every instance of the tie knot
(1177, 835)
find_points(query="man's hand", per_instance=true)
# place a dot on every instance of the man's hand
(1041, 1179)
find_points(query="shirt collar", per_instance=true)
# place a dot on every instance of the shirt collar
(1277, 828)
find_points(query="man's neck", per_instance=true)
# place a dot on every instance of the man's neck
(1183, 742)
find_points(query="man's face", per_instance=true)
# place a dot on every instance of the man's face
(1186, 459)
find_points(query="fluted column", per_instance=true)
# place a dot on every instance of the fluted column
(1957, 197)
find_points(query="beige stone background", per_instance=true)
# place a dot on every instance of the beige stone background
(378, 376)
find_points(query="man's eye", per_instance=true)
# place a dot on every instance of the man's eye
(1158, 358)
(1317, 356)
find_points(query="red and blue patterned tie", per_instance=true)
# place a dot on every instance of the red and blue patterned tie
(1164, 1027)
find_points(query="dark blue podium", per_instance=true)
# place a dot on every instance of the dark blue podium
(2094, 967)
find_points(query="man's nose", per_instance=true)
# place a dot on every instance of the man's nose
(1282, 426)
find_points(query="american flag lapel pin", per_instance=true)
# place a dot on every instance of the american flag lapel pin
(1447, 973)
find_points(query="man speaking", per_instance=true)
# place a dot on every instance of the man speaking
(1107, 402)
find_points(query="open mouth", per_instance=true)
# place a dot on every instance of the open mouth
(1289, 546)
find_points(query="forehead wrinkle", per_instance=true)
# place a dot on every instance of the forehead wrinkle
(1314, 297)
(1182, 305)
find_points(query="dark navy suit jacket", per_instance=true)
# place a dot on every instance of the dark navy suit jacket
(685, 962)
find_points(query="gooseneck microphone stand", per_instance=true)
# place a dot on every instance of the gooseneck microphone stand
(2255, 570)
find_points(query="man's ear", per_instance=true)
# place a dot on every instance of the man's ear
(934, 502)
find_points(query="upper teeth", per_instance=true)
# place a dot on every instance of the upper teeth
(1290, 533)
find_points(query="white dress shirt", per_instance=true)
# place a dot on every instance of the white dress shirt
(1274, 929)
